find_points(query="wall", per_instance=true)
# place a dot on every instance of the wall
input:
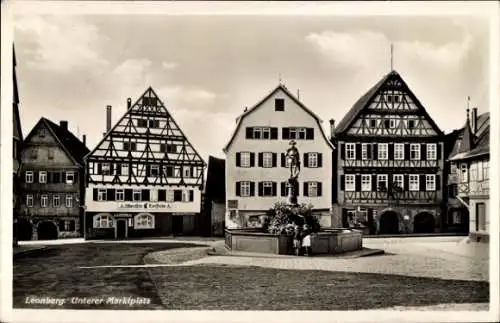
(472, 219)
(217, 216)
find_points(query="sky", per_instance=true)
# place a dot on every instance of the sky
(206, 69)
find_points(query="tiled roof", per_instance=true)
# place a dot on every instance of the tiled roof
(71, 143)
(481, 141)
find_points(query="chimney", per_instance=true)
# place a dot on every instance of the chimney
(332, 128)
(63, 124)
(84, 140)
(129, 103)
(108, 118)
(474, 120)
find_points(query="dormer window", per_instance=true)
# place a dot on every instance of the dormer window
(279, 104)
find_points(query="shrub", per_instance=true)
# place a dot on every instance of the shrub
(282, 218)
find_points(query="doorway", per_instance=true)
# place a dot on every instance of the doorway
(177, 225)
(389, 223)
(47, 231)
(121, 229)
(423, 223)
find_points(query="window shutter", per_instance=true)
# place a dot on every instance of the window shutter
(275, 157)
(310, 133)
(375, 151)
(238, 159)
(49, 177)
(320, 189)
(286, 133)
(75, 174)
(438, 151)
(421, 182)
(252, 189)
(249, 133)
(274, 133)
(358, 182)
(145, 195)
(438, 182)
(283, 188)
(99, 168)
(148, 170)
(238, 188)
(111, 168)
(306, 191)
(191, 195)
(162, 195)
(407, 151)
(423, 151)
(119, 169)
(369, 149)
(110, 194)
(406, 182)
(320, 160)
(261, 162)
(390, 151)
(252, 159)
(283, 160)
(128, 194)
(306, 160)
(342, 182)
(275, 192)
(374, 183)
(358, 151)
(162, 148)
(261, 189)
(95, 194)
(342, 151)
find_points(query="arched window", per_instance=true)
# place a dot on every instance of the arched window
(103, 221)
(144, 221)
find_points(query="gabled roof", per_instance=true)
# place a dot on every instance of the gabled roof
(481, 141)
(259, 104)
(17, 130)
(215, 189)
(365, 100)
(72, 145)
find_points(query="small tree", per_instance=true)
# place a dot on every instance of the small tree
(282, 218)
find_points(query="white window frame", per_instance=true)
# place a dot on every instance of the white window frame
(185, 195)
(480, 170)
(350, 148)
(312, 160)
(414, 123)
(392, 123)
(28, 177)
(267, 160)
(301, 131)
(156, 168)
(399, 151)
(430, 182)
(44, 200)
(417, 151)
(382, 178)
(414, 182)
(102, 194)
(464, 173)
(120, 194)
(103, 221)
(312, 189)
(259, 131)
(431, 151)
(186, 171)
(42, 177)
(29, 200)
(399, 179)
(124, 169)
(350, 182)
(366, 182)
(106, 169)
(55, 199)
(169, 196)
(266, 131)
(383, 154)
(364, 151)
(245, 188)
(267, 185)
(70, 177)
(144, 221)
(69, 201)
(134, 193)
(245, 159)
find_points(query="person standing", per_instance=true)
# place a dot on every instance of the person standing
(306, 240)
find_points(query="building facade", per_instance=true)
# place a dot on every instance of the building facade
(17, 140)
(52, 183)
(214, 205)
(390, 162)
(144, 178)
(468, 182)
(256, 167)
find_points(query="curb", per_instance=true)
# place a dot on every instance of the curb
(414, 235)
(29, 252)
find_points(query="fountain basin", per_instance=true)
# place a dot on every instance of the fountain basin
(327, 241)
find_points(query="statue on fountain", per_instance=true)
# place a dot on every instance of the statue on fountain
(293, 158)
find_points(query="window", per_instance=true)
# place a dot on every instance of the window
(70, 177)
(154, 123)
(245, 188)
(50, 154)
(170, 196)
(42, 177)
(245, 159)
(392, 123)
(382, 182)
(124, 170)
(44, 199)
(257, 133)
(430, 182)
(279, 104)
(29, 177)
(413, 183)
(387, 123)
(103, 221)
(312, 189)
(102, 194)
(154, 170)
(350, 151)
(312, 160)
(136, 195)
(398, 181)
(42, 132)
(106, 169)
(144, 221)
(185, 195)
(464, 172)
(55, 201)
(366, 182)
(29, 200)
(267, 188)
(293, 133)
(411, 124)
(171, 148)
(129, 146)
(364, 151)
(382, 151)
(267, 160)
(350, 184)
(373, 123)
(56, 177)
(399, 151)
(415, 151)
(120, 194)
(186, 171)
(301, 133)
(69, 201)
(142, 123)
(266, 133)
(431, 151)
(486, 169)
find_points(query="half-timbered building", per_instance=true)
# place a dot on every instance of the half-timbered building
(468, 183)
(390, 162)
(256, 167)
(144, 178)
(51, 182)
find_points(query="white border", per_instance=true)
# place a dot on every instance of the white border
(487, 10)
